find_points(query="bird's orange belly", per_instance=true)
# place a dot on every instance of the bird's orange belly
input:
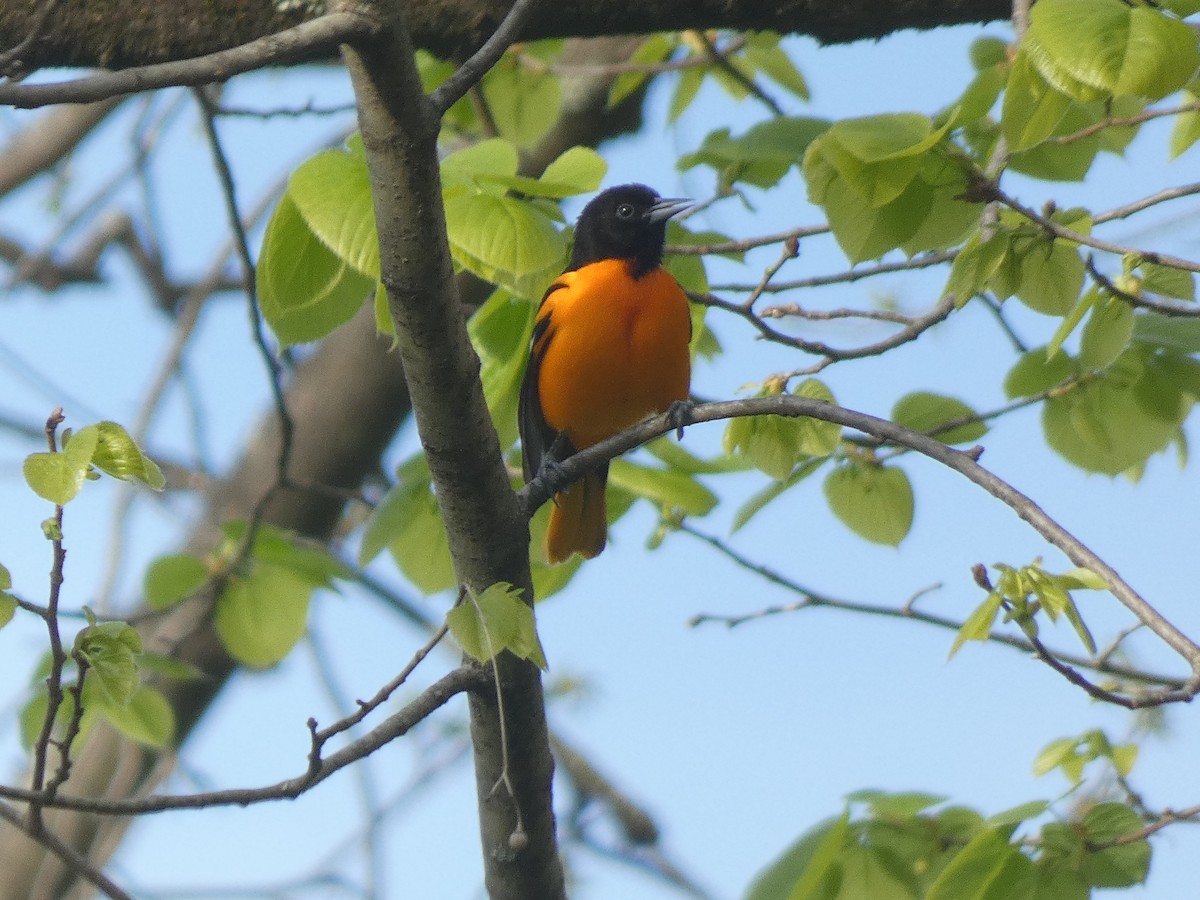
(614, 355)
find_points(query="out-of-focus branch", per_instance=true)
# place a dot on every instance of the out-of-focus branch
(47, 140)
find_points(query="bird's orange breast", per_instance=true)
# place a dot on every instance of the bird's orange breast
(614, 351)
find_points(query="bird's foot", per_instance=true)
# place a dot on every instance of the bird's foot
(679, 414)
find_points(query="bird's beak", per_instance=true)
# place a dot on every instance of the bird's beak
(665, 209)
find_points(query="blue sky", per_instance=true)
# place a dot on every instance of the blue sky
(737, 740)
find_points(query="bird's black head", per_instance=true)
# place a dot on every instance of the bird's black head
(626, 222)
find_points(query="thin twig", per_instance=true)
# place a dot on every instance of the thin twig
(726, 248)
(721, 61)
(1061, 231)
(1177, 310)
(791, 248)
(1165, 818)
(811, 599)
(274, 371)
(457, 681)
(366, 707)
(468, 74)
(1122, 122)
(849, 276)
(65, 852)
(58, 657)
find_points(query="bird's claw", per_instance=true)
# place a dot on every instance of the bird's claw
(679, 414)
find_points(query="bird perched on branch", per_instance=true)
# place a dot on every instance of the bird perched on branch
(609, 348)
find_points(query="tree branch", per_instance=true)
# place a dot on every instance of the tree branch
(534, 494)
(457, 681)
(468, 74)
(320, 35)
(93, 34)
(487, 535)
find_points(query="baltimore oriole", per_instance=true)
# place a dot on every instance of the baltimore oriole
(609, 347)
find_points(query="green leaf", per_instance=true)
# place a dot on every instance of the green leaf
(497, 620)
(1185, 132)
(332, 193)
(261, 616)
(765, 55)
(111, 649)
(1071, 320)
(871, 872)
(900, 805)
(579, 170)
(408, 524)
(495, 157)
(1035, 372)
(1167, 281)
(1018, 814)
(762, 156)
(775, 444)
(1123, 865)
(8, 607)
(974, 267)
(1051, 278)
(927, 412)
(169, 667)
(1107, 333)
(1054, 755)
(874, 501)
(978, 625)
(821, 862)
(987, 867)
(1093, 49)
(1124, 757)
(500, 332)
(655, 49)
(58, 477)
(33, 716)
(1167, 331)
(524, 101)
(686, 89)
(877, 157)
(816, 437)
(147, 718)
(810, 859)
(308, 561)
(170, 579)
(986, 52)
(506, 241)
(118, 455)
(760, 499)
(1065, 161)
(672, 489)
(305, 291)
(1118, 420)
(1032, 109)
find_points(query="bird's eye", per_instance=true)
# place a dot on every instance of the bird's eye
(625, 211)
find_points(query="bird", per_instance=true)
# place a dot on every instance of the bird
(609, 348)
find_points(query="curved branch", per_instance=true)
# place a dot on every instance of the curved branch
(810, 599)
(64, 851)
(468, 74)
(320, 35)
(534, 494)
(466, 678)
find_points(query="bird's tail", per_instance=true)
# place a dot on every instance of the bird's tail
(578, 520)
